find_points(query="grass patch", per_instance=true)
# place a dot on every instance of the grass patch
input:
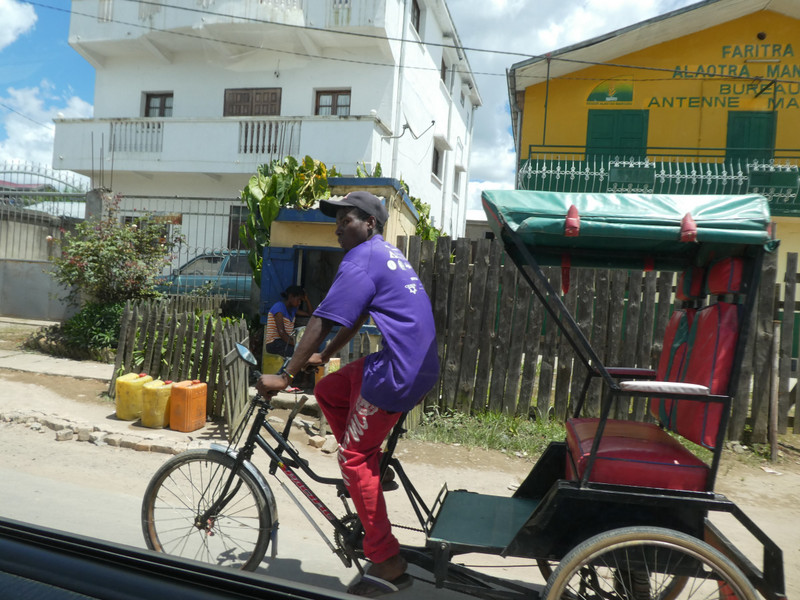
(492, 431)
(700, 452)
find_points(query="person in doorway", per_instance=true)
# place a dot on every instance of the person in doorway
(364, 399)
(280, 321)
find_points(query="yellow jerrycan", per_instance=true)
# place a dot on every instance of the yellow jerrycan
(155, 404)
(130, 394)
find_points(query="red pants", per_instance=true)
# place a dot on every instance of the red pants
(360, 429)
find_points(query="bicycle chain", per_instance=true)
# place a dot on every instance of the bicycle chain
(406, 527)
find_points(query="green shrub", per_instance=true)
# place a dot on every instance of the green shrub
(92, 334)
(95, 327)
(290, 183)
(493, 431)
(107, 261)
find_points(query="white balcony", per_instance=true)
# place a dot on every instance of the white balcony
(107, 28)
(223, 146)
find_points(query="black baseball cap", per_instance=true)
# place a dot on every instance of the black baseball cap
(367, 202)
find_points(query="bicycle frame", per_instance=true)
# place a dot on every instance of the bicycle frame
(279, 462)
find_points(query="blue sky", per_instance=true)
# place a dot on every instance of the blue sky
(44, 53)
(42, 77)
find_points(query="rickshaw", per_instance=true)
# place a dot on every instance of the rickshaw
(620, 509)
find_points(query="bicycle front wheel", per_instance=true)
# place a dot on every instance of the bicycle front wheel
(178, 519)
(646, 563)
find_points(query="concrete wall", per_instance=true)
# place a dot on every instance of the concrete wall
(401, 107)
(27, 291)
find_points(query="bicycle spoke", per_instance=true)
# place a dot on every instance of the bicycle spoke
(628, 564)
(177, 517)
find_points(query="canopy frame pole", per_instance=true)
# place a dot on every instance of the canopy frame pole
(552, 302)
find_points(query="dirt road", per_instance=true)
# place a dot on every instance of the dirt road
(768, 493)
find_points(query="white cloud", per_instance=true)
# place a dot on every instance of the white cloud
(27, 116)
(527, 29)
(17, 18)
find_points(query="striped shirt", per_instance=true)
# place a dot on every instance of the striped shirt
(288, 316)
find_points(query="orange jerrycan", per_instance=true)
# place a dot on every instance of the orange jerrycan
(155, 404)
(130, 393)
(187, 405)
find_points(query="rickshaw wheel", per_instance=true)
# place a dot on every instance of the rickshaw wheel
(638, 563)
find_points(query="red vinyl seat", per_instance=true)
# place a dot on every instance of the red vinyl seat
(699, 348)
(634, 453)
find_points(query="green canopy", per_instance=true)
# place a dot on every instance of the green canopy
(638, 231)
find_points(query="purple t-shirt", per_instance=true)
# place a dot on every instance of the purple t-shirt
(375, 278)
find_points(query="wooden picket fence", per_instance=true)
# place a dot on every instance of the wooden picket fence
(183, 338)
(499, 351)
(188, 303)
(157, 339)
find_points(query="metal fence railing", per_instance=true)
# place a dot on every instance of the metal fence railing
(37, 204)
(655, 170)
(210, 251)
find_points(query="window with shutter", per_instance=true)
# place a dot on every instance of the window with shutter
(252, 102)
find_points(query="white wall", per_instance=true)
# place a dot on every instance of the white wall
(198, 68)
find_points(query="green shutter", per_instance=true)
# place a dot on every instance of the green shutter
(617, 132)
(751, 134)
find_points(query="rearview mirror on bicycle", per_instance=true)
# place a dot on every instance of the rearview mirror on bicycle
(246, 355)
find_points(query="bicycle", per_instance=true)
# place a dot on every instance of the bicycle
(213, 505)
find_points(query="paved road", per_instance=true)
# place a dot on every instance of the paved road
(96, 490)
(83, 488)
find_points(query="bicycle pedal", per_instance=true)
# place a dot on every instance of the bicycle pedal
(388, 482)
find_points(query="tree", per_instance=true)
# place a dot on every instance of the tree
(106, 261)
(424, 228)
(276, 185)
(299, 185)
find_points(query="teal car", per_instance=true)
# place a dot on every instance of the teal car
(226, 273)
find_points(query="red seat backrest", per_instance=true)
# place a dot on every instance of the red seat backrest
(709, 359)
(709, 362)
(676, 336)
(673, 354)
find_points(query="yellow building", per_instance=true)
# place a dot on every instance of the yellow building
(701, 100)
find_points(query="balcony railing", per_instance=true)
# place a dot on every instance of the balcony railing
(268, 137)
(262, 137)
(666, 171)
(128, 21)
(137, 136)
(225, 145)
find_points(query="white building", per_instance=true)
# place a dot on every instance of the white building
(192, 95)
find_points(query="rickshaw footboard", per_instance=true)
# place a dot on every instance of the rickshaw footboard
(470, 522)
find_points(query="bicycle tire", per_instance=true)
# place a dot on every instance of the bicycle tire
(183, 488)
(637, 563)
